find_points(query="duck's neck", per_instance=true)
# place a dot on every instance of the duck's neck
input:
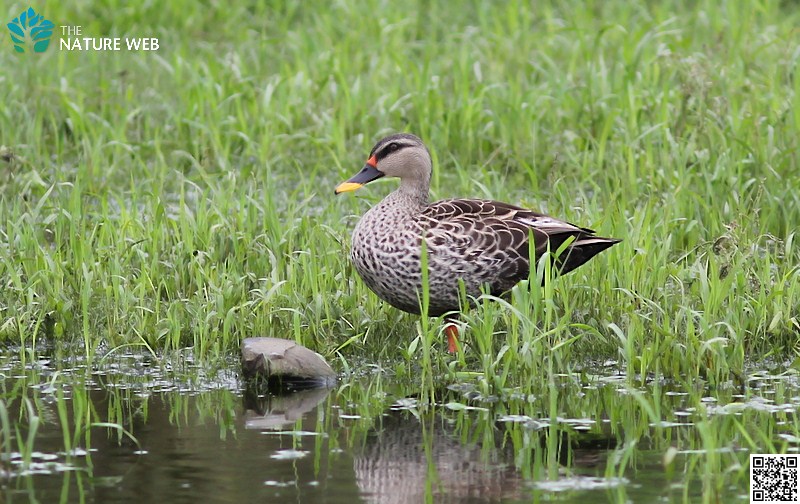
(413, 193)
(393, 214)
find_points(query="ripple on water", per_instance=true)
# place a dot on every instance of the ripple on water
(288, 454)
(580, 483)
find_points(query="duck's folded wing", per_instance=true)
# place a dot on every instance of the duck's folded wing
(491, 239)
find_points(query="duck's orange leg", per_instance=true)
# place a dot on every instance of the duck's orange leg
(451, 330)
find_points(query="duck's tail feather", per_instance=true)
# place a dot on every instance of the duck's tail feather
(581, 251)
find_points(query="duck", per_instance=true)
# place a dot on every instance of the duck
(480, 244)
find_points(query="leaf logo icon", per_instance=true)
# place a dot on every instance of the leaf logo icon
(31, 30)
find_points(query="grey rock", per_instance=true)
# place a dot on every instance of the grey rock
(285, 360)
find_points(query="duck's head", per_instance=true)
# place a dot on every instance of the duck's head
(402, 155)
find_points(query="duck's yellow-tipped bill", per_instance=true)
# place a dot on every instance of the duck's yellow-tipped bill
(366, 175)
(347, 187)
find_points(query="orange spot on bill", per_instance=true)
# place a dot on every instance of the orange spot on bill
(372, 161)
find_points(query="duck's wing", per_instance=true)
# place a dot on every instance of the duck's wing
(492, 239)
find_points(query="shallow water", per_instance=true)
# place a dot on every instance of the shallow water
(134, 431)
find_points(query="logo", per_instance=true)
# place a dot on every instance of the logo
(31, 30)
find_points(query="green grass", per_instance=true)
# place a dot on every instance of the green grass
(185, 197)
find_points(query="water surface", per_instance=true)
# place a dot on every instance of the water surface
(132, 430)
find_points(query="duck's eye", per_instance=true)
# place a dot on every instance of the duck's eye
(393, 147)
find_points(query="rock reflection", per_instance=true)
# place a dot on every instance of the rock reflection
(276, 411)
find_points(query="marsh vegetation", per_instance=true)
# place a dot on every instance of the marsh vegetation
(159, 207)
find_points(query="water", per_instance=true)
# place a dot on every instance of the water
(132, 430)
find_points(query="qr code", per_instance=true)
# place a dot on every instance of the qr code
(773, 478)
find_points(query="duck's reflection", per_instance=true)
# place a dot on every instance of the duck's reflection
(405, 459)
(411, 459)
(407, 456)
